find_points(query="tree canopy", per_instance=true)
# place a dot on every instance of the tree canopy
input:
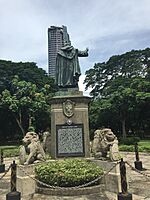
(27, 71)
(122, 86)
(24, 93)
(128, 66)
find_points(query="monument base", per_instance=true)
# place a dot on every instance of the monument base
(112, 179)
(98, 189)
(70, 126)
(69, 92)
(25, 184)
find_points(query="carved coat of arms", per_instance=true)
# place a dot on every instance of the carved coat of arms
(68, 108)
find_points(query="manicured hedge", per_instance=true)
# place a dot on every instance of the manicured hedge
(68, 172)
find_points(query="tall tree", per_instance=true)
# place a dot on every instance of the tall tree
(122, 81)
(30, 77)
(129, 65)
(24, 101)
(27, 71)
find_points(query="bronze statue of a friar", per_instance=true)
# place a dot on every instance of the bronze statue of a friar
(67, 66)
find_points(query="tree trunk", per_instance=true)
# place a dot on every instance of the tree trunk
(124, 134)
(31, 120)
(19, 123)
(20, 126)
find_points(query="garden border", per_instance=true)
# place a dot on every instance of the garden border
(74, 192)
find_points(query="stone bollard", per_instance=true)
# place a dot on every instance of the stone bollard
(13, 195)
(137, 163)
(2, 165)
(124, 195)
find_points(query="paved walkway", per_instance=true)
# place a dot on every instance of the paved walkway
(139, 184)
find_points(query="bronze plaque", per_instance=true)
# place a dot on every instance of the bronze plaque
(70, 140)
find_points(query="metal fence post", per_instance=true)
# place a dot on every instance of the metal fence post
(13, 195)
(2, 165)
(137, 163)
(124, 195)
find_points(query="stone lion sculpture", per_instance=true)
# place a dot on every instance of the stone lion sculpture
(31, 151)
(46, 143)
(105, 141)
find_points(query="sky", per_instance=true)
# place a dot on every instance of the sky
(106, 27)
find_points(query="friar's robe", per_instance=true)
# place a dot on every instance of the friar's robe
(67, 66)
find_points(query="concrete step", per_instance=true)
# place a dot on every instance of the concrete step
(81, 197)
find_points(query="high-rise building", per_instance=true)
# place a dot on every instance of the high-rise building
(57, 37)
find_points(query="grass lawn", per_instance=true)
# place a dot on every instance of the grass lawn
(144, 146)
(9, 151)
(8, 147)
(145, 143)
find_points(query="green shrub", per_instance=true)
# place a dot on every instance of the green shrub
(130, 140)
(68, 172)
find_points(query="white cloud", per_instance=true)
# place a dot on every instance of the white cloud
(106, 27)
(82, 86)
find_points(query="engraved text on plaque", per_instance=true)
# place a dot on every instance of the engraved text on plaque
(70, 141)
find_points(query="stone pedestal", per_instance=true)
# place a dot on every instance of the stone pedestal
(25, 184)
(70, 126)
(112, 179)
